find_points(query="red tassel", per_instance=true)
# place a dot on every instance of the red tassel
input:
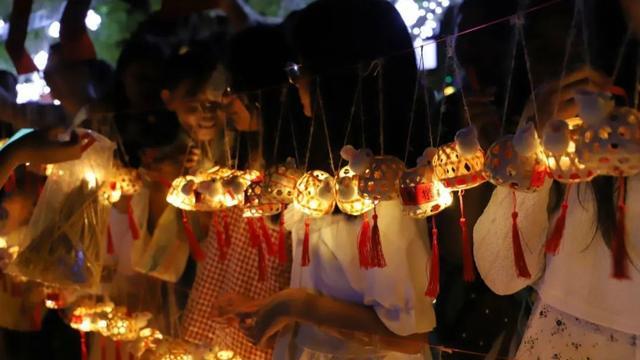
(618, 248)
(553, 243)
(220, 237)
(83, 345)
(305, 260)
(433, 287)
(110, 247)
(262, 264)
(103, 348)
(227, 230)
(254, 236)
(467, 252)
(364, 243)
(266, 237)
(376, 255)
(282, 242)
(518, 254)
(133, 225)
(131, 356)
(196, 251)
(118, 350)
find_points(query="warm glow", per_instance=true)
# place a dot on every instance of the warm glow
(91, 179)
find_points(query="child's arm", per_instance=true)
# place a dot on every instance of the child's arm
(336, 316)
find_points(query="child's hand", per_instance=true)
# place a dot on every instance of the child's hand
(42, 147)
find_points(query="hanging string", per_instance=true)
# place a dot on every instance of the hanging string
(565, 60)
(413, 106)
(507, 96)
(427, 101)
(323, 116)
(237, 151)
(585, 38)
(351, 116)
(310, 140)
(380, 71)
(227, 148)
(451, 51)
(283, 105)
(362, 119)
(621, 51)
(294, 141)
(520, 26)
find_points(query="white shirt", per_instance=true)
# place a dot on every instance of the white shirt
(396, 292)
(578, 279)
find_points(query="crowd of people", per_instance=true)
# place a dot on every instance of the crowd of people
(192, 89)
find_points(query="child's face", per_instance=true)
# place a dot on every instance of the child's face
(199, 115)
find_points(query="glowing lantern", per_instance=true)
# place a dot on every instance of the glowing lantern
(422, 195)
(87, 318)
(381, 179)
(559, 141)
(120, 326)
(517, 161)
(347, 197)
(148, 339)
(54, 298)
(125, 182)
(610, 137)
(222, 353)
(174, 349)
(459, 168)
(257, 203)
(280, 181)
(314, 194)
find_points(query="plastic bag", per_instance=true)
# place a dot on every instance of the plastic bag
(164, 254)
(66, 235)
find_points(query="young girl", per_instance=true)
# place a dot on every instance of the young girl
(334, 308)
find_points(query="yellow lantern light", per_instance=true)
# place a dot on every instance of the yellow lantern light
(347, 197)
(559, 142)
(458, 171)
(124, 182)
(89, 317)
(120, 326)
(521, 167)
(258, 203)
(174, 349)
(280, 181)
(148, 339)
(315, 194)
(422, 195)
(381, 179)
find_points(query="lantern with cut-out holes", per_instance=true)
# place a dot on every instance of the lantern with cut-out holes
(222, 353)
(124, 182)
(148, 339)
(422, 195)
(174, 349)
(120, 326)
(380, 181)
(89, 317)
(559, 142)
(347, 197)
(182, 194)
(517, 161)
(314, 194)
(280, 181)
(611, 145)
(258, 203)
(457, 170)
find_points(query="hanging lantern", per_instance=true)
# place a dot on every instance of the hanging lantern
(125, 182)
(314, 194)
(258, 203)
(381, 179)
(280, 181)
(120, 326)
(222, 353)
(460, 165)
(422, 195)
(55, 298)
(182, 194)
(174, 349)
(148, 339)
(559, 142)
(517, 161)
(347, 197)
(610, 137)
(88, 317)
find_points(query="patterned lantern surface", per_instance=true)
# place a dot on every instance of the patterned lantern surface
(280, 182)
(381, 179)
(185, 200)
(457, 171)
(315, 194)
(347, 197)
(221, 353)
(148, 339)
(564, 164)
(505, 166)
(258, 203)
(125, 182)
(89, 317)
(174, 349)
(612, 147)
(422, 195)
(120, 326)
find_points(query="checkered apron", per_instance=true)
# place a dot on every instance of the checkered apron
(238, 273)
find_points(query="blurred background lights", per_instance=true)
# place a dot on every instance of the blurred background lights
(92, 20)
(40, 59)
(54, 30)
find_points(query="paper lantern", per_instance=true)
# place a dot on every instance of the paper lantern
(347, 197)
(54, 298)
(314, 194)
(559, 142)
(280, 181)
(124, 182)
(222, 353)
(611, 145)
(148, 339)
(507, 164)
(381, 179)
(90, 317)
(174, 349)
(258, 203)
(457, 171)
(422, 195)
(120, 326)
